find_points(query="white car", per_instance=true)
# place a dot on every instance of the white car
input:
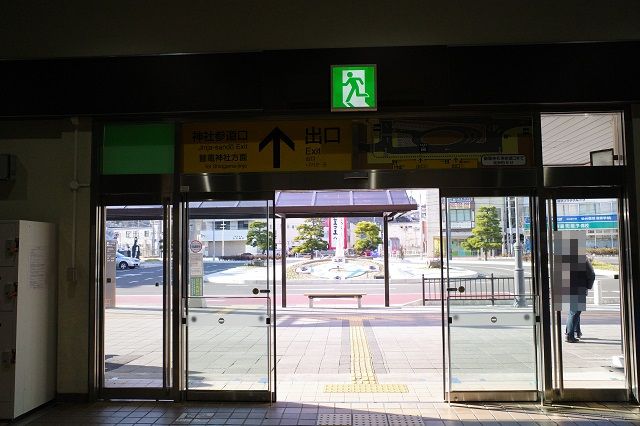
(125, 262)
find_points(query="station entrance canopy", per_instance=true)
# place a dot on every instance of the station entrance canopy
(387, 203)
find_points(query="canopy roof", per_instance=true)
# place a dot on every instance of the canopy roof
(343, 203)
(288, 204)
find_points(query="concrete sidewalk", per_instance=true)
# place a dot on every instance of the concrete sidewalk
(340, 354)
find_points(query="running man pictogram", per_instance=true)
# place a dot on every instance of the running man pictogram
(353, 87)
(355, 83)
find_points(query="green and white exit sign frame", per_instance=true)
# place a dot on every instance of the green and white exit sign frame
(354, 88)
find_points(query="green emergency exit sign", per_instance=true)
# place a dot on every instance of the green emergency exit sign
(353, 88)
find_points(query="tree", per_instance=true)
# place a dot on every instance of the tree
(258, 236)
(487, 234)
(310, 236)
(367, 236)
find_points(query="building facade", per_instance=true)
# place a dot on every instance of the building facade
(75, 108)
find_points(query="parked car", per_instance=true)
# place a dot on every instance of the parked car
(126, 262)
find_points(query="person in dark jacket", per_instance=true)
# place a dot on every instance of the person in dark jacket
(581, 281)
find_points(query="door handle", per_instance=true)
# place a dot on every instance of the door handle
(256, 291)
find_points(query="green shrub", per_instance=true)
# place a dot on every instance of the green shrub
(603, 251)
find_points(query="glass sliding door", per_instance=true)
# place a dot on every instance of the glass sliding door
(490, 299)
(136, 294)
(228, 300)
(589, 355)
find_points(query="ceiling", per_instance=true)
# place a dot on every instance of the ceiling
(80, 28)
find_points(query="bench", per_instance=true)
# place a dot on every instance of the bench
(312, 296)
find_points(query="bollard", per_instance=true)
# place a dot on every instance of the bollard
(518, 276)
(597, 293)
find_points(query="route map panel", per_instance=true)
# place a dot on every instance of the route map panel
(445, 143)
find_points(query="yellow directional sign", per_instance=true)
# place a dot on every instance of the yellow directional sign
(267, 146)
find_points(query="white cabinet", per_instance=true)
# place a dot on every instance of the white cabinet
(28, 284)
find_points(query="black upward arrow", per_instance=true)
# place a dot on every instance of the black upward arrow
(276, 135)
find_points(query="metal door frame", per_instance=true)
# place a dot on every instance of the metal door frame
(181, 295)
(167, 389)
(554, 383)
(450, 183)
(488, 395)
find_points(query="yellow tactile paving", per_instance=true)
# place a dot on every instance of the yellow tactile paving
(361, 365)
(362, 388)
(363, 376)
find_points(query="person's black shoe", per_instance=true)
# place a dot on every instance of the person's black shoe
(579, 335)
(571, 339)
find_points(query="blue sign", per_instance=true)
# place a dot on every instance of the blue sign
(594, 221)
(589, 218)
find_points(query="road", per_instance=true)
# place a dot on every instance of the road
(497, 268)
(233, 279)
(142, 281)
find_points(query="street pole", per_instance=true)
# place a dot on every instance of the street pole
(195, 268)
(518, 276)
(213, 238)
(422, 210)
(518, 271)
(449, 255)
(505, 241)
(509, 228)
(222, 226)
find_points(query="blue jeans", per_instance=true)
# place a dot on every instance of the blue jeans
(573, 324)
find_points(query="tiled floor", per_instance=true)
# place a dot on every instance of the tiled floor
(356, 414)
(337, 346)
(404, 346)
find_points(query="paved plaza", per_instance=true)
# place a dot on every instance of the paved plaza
(337, 354)
(336, 364)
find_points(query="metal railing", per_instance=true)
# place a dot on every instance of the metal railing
(481, 288)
